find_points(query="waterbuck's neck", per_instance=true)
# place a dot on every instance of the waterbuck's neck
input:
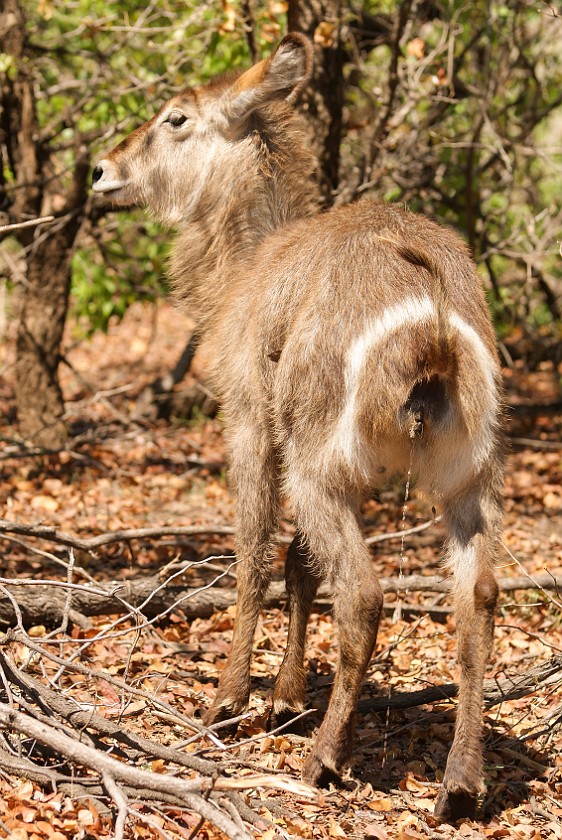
(257, 185)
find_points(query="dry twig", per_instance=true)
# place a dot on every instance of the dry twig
(45, 602)
(86, 739)
(43, 220)
(495, 690)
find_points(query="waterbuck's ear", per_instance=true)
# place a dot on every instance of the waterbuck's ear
(281, 76)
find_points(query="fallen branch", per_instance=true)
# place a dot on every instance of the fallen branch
(56, 709)
(43, 220)
(531, 443)
(82, 719)
(495, 691)
(43, 602)
(47, 532)
(190, 791)
(91, 788)
(405, 532)
(16, 765)
(193, 793)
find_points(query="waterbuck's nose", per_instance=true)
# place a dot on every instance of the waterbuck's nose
(106, 178)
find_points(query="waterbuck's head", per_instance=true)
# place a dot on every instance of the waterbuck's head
(200, 143)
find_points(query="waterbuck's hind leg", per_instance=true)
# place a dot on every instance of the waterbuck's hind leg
(290, 685)
(473, 523)
(253, 473)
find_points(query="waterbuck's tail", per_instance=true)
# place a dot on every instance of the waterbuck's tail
(434, 381)
(444, 351)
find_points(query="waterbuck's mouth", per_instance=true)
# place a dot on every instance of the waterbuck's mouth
(108, 186)
(115, 192)
(105, 180)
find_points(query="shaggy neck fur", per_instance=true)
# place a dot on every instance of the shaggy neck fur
(266, 182)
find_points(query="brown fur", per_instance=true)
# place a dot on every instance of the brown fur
(341, 344)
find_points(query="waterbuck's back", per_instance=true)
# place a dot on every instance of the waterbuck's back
(346, 320)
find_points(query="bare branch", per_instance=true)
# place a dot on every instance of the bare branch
(393, 535)
(49, 533)
(113, 772)
(120, 799)
(495, 690)
(43, 220)
(43, 602)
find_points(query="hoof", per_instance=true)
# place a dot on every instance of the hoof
(219, 712)
(284, 717)
(318, 774)
(451, 807)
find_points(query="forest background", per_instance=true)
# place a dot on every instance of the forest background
(452, 108)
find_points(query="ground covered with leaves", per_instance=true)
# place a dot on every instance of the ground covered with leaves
(150, 677)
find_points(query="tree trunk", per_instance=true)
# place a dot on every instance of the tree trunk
(320, 20)
(39, 397)
(45, 296)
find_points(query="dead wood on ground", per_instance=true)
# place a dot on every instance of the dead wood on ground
(495, 690)
(153, 598)
(70, 747)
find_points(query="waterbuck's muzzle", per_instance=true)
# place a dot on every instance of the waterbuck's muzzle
(106, 179)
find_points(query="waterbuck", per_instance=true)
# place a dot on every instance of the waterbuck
(344, 344)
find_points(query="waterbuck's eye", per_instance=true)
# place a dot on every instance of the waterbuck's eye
(176, 118)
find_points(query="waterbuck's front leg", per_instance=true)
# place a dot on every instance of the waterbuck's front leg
(302, 584)
(473, 523)
(253, 475)
(357, 607)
